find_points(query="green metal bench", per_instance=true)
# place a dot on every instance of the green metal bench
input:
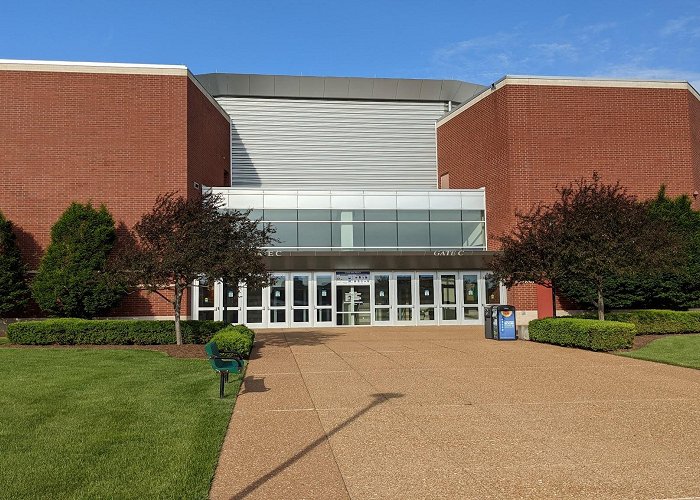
(223, 363)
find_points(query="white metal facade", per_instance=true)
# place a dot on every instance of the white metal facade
(279, 143)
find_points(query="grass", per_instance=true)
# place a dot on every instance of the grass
(681, 350)
(4, 340)
(81, 423)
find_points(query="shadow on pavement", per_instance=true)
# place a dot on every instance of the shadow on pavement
(378, 399)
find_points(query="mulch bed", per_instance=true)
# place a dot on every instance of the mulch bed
(191, 351)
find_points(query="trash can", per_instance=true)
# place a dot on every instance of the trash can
(504, 323)
(488, 321)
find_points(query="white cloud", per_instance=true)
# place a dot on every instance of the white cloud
(688, 26)
(637, 72)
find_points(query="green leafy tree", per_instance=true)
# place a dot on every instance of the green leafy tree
(72, 280)
(182, 240)
(14, 292)
(596, 231)
(666, 287)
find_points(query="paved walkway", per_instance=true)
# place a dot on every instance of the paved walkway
(443, 413)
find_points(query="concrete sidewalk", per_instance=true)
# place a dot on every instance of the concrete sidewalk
(441, 412)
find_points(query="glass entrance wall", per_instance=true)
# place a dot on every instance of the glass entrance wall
(384, 221)
(351, 298)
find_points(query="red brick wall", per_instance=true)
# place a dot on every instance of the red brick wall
(473, 149)
(544, 136)
(694, 113)
(113, 139)
(208, 141)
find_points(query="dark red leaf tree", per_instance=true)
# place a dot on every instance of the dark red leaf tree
(591, 232)
(182, 240)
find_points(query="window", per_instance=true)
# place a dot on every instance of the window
(315, 234)
(380, 234)
(493, 290)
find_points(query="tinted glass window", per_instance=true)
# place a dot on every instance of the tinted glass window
(414, 234)
(413, 215)
(381, 290)
(314, 234)
(314, 215)
(348, 234)
(286, 233)
(471, 289)
(380, 214)
(445, 215)
(404, 295)
(493, 290)
(473, 234)
(380, 235)
(473, 215)
(348, 215)
(283, 215)
(445, 234)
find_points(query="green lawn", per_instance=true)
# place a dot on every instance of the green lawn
(681, 350)
(82, 423)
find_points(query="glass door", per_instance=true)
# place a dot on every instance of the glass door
(404, 298)
(448, 299)
(470, 296)
(301, 300)
(206, 298)
(353, 305)
(278, 301)
(324, 300)
(426, 298)
(254, 307)
(232, 301)
(381, 304)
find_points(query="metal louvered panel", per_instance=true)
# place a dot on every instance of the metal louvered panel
(310, 144)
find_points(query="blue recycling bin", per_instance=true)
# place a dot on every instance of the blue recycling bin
(499, 322)
(505, 328)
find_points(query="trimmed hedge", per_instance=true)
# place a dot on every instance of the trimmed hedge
(71, 331)
(235, 338)
(658, 321)
(584, 333)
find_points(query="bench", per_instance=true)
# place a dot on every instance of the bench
(223, 363)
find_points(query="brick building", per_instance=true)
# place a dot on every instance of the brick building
(118, 134)
(523, 136)
(387, 194)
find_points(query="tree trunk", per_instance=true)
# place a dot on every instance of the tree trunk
(554, 300)
(601, 305)
(177, 304)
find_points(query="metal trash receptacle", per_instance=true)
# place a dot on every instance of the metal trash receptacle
(488, 321)
(504, 327)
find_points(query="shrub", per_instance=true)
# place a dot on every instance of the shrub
(72, 280)
(585, 333)
(14, 292)
(657, 321)
(72, 331)
(237, 339)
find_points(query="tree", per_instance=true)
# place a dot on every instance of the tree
(533, 252)
(182, 240)
(668, 287)
(14, 292)
(598, 231)
(72, 280)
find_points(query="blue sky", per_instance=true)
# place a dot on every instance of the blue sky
(473, 41)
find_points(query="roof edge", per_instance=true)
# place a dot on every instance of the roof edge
(563, 81)
(209, 97)
(92, 67)
(238, 85)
